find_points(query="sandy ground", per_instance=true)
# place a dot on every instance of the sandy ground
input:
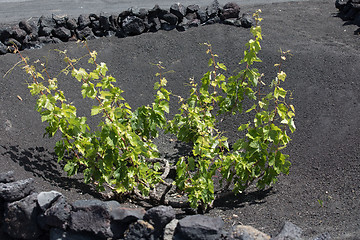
(323, 74)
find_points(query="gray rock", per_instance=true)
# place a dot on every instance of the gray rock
(3, 50)
(5, 33)
(45, 31)
(160, 216)
(133, 25)
(20, 218)
(193, 8)
(213, 9)
(45, 39)
(140, 230)
(18, 33)
(186, 24)
(84, 33)
(247, 20)
(171, 18)
(71, 24)
(213, 20)
(46, 199)
(244, 232)
(58, 215)
(58, 234)
(138, 12)
(157, 11)
(8, 176)
(91, 216)
(45, 21)
(111, 205)
(340, 4)
(26, 26)
(169, 229)
(14, 191)
(202, 15)
(62, 33)
(154, 24)
(60, 21)
(127, 215)
(83, 21)
(289, 231)
(105, 23)
(178, 10)
(199, 227)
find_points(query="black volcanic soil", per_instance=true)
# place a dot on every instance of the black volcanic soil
(324, 74)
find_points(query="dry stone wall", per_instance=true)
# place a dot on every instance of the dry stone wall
(26, 214)
(349, 10)
(134, 21)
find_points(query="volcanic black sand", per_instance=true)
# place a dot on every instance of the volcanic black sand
(322, 191)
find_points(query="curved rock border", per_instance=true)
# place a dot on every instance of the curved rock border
(349, 10)
(29, 215)
(31, 34)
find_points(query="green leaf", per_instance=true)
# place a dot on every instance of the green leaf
(95, 110)
(243, 127)
(222, 66)
(252, 108)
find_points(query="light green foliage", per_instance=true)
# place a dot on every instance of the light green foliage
(256, 156)
(119, 152)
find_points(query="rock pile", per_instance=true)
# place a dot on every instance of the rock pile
(26, 214)
(349, 10)
(134, 21)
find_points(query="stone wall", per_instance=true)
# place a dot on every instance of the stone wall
(349, 10)
(134, 21)
(28, 214)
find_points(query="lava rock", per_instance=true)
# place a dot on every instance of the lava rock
(45, 21)
(249, 233)
(58, 234)
(157, 11)
(20, 218)
(289, 231)
(57, 215)
(230, 10)
(160, 216)
(28, 26)
(140, 230)
(213, 9)
(170, 18)
(71, 24)
(169, 229)
(45, 31)
(84, 33)
(91, 216)
(340, 4)
(138, 12)
(3, 50)
(247, 20)
(133, 25)
(62, 33)
(193, 8)
(178, 10)
(46, 199)
(127, 215)
(5, 33)
(202, 15)
(83, 21)
(199, 227)
(60, 21)
(14, 191)
(8, 176)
